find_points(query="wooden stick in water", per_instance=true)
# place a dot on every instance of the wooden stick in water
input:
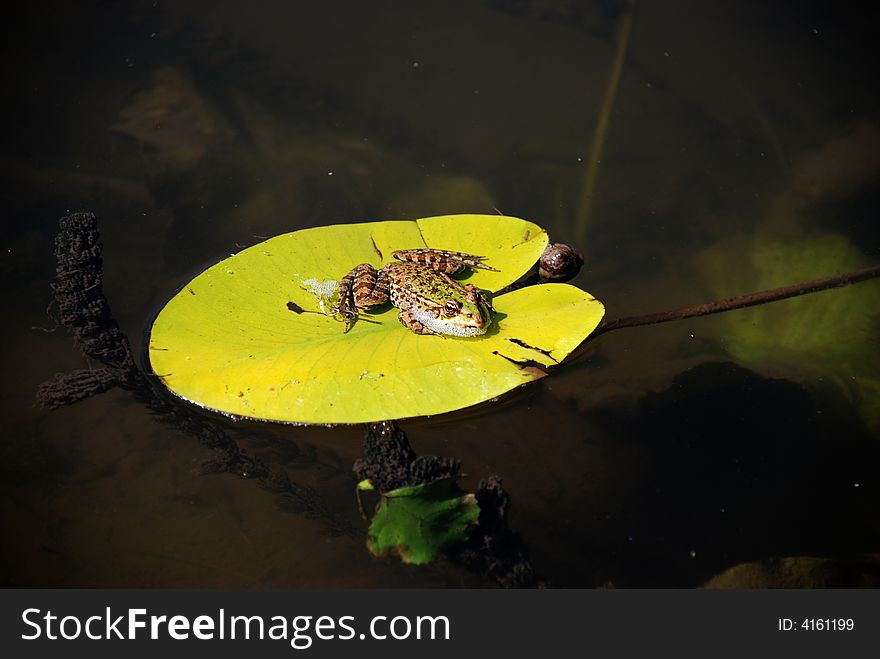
(740, 301)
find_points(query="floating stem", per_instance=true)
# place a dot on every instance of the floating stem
(740, 301)
(582, 219)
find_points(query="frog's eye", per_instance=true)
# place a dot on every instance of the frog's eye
(451, 307)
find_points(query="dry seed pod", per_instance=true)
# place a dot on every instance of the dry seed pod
(559, 262)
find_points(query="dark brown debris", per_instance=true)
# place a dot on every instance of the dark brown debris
(82, 307)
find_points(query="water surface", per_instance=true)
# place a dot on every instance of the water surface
(742, 153)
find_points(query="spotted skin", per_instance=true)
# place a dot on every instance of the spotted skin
(419, 283)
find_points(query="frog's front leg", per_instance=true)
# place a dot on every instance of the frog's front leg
(363, 287)
(406, 317)
(443, 260)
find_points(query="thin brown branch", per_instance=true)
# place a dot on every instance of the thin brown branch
(740, 301)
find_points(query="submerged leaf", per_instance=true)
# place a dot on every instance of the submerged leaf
(250, 336)
(827, 337)
(419, 522)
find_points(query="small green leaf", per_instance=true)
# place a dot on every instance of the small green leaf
(365, 485)
(419, 522)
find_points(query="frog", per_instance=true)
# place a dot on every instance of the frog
(420, 284)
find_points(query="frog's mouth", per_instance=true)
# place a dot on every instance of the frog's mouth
(465, 330)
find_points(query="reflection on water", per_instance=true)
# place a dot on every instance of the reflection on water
(741, 154)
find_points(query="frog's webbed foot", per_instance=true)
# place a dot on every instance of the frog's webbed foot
(346, 307)
(407, 319)
(346, 310)
(349, 316)
(443, 260)
(474, 262)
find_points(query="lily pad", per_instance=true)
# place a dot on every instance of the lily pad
(419, 522)
(250, 336)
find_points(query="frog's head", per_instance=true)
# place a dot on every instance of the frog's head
(466, 313)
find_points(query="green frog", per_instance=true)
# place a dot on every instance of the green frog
(421, 286)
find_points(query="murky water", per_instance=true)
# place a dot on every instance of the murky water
(742, 153)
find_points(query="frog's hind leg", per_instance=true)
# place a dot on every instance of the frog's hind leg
(370, 286)
(452, 263)
(363, 287)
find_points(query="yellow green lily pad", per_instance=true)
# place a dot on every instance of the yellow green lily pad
(250, 336)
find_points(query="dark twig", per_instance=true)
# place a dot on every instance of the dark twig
(740, 301)
(82, 307)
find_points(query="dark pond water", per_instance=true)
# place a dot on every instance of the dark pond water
(743, 152)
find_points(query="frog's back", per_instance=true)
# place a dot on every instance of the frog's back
(416, 285)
